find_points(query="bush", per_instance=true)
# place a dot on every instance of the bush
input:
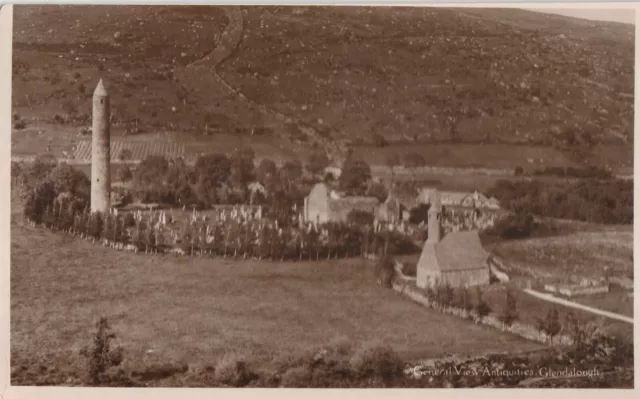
(376, 360)
(232, 371)
(379, 140)
(19, 125)
(361, 218)
(384, 271)
(595, 201)
(520, 225)
(518, 171)
(124, 174)
(297, 377)
(340, 346)
(101, 356)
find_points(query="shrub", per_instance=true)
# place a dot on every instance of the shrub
(19, 125)
(159, 371)
(482, 307)
(124, 174)
(340, 345)
(589, 200)
(520, 225)
(376, 360)
(359, 217)
(297, 377)
(102, 357)
(384, 271)
(379, 140)
(510, 311)
(232, 371)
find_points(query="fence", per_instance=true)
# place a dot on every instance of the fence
(523, 330)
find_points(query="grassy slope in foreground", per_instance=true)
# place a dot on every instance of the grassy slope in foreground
(194, 310)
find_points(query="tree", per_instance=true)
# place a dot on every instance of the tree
(242, 167)
(355, 176)
(317, 162)
(462, 299)
(215, 168)
(81, 90)
(101, 356)
(377, 190)
(384, 270)
(266, 172)
(125, 154)
(481, 308)
(152, 170)
(67, 179)
(509, 311)
(552, 325)
(124, 174)
(291, 176)
(38, 200)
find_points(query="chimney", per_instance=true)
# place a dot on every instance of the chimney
(433, 220)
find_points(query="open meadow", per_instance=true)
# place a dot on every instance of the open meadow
(580, 254)
(192, 310)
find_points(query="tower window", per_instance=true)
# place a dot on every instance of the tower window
(102, 101)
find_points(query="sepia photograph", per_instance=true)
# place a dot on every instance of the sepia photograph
(321, 196)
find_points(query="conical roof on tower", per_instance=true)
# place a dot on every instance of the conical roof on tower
(100, 90)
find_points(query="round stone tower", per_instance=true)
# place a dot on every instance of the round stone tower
(101, 151)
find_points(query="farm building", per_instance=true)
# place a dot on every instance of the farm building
(457, 259)
(458, 198)
(322, 205)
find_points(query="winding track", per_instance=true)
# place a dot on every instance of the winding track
(564, 302)
(204, 69)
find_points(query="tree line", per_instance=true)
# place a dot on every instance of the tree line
(220, 179)
(57, 196)
(595, 201)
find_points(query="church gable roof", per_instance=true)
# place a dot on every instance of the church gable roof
(461, 250)
(458, 251)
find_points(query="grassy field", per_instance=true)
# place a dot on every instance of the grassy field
(498, 156)
(531, 309)
(586, 254)
(166, 309)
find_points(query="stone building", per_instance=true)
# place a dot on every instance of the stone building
(458, 259)
(458, 198)
(323, 205)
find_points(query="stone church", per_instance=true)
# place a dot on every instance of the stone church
(458, 259)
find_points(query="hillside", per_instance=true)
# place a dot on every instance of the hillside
(285, 79)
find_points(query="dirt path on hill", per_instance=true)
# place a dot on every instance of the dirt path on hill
(564, 302)
(202, 73)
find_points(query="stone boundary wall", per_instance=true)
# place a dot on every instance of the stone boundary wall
(523, 330)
